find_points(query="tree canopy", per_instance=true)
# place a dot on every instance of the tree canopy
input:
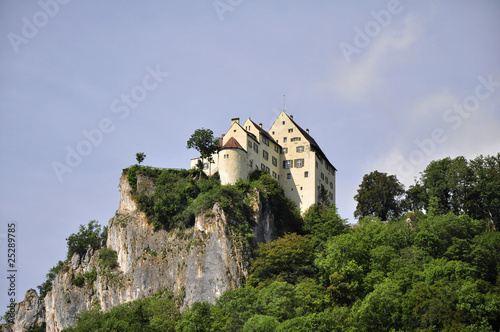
(203, 140)
(139, 156)
(379, 195)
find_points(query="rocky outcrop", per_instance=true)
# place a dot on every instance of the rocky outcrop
(200, 263)
(29, 313)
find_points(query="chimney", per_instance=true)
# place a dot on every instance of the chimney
(307, 130)
(260, 124)
(235, 120)
(222, 136)
(291, 116)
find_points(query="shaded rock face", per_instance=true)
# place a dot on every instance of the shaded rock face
(29, 313)
(201, 263)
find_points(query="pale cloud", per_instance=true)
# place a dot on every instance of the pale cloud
(358, 79)
(425, 140)
(430, 108)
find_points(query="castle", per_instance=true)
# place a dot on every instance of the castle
(286, 151)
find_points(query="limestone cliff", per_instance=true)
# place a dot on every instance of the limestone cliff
(200, 262)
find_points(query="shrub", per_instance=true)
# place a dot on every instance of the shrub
(108, 258)
(86, 236)
(79, 280)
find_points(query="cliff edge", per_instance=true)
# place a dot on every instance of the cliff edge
(198, 263)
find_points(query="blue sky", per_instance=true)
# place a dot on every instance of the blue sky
(382, 85)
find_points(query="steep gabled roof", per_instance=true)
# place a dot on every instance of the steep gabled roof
(232, 143)
(263, 132)
(312, 142)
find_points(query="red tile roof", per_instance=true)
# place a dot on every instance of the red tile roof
(232, 143)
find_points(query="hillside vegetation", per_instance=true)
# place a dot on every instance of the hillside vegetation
(435, 268)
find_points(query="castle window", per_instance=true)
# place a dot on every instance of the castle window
(300, 149)
(275, 161)
(268, 170)
(284, 150)
(331, 196)
(300, 188)
(265, 154)
(331, 185)
(316, 164)
(287, 164)
(306, 174)
(249, 144)
(250, 163)
(265, 141)
(263, 167)
(322, 176)
(299, 162)
(274, 175)
(295, 139)
(283, 122)
(205, 166)
(284, 139)
(277, 148)
(289, 176)
(256, 148)
(326, 180)
(290, 130)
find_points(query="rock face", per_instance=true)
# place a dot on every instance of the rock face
(30, 312)
(201, 263)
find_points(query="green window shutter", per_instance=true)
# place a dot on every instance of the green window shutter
(295, 163)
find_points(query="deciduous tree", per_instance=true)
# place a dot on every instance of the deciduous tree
(379, 195)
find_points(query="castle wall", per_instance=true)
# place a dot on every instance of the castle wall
(233, 165)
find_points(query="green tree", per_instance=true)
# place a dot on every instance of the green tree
(203, 140)
(484, 202)
(379, 195)
(324, 222)
(46, 286)
(289, 259)
(87, 236)
(450, 181)
(261, 323)
(139, 156)
(380, 310)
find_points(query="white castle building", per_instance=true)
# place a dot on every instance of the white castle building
(287, 152)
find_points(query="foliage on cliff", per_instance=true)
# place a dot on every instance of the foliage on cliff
(417, 273)
(179, 195)
(157, 313)
(90, 235)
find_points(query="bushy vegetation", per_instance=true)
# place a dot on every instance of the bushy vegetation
(417, 273)
(435, 268)
(179, 195)
(108, 258)
(87, 236)
(157, 313)
(458, 185)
